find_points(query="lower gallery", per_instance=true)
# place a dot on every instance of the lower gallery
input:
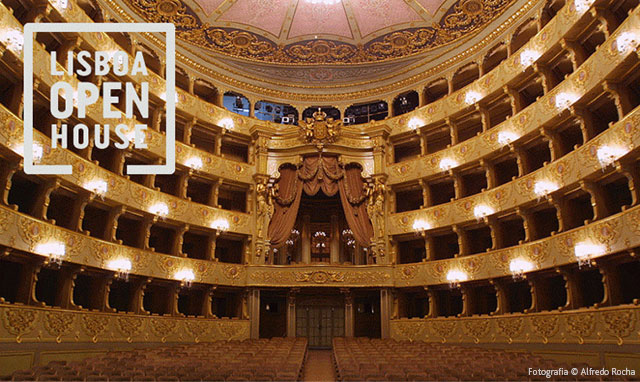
(319, 190)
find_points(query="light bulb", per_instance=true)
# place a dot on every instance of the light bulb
(528, 57)
(564, 100)
(626, 41)
(481, 211)
(186, 276)
(421, 225)
(609, 154)
(507, 137)
(97, 186)
(220, 225)
(447, 164)
(415, 123)
(13, 39)
(544, 187)
(472, 97)
(227, 123)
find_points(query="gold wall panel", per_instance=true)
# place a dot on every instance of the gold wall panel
(24, 324)
(615, 325)
(319, 275)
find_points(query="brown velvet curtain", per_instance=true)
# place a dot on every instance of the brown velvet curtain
(354, 204)
(286, 206)
(326, 174)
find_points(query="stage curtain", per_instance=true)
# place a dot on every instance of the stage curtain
(326, 174)
(354, 204)
(286, 206)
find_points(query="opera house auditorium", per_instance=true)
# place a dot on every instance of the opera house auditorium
(319, 190)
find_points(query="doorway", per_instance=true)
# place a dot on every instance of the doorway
(319, 320)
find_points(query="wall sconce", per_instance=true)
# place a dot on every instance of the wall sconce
(194, 162)
(293, 237)
(227, 123)
(13, 39)
(159, 209)
(564, 100)
(421, 226)
(586, 251)
(609, 154)
(121, 266)
(543, 188)
(61, 4)
(447, 164)
(163, 96)
(507, 137)
(37, 151)
(220, 225)
(185, 276)
(519, 267)
(54, 250)
(321, 239)
(472, 97)
(97, 186)
(528, 57)
(583, 5)
(482, 211)
(131, 136)
(414, 123)
(626, 41)
(347, 237)
(455, 277)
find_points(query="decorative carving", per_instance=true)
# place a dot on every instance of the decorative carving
(376, 193)
(94, 325)
(461, 19)
(320, 129)
(19, 321)
(58, 323)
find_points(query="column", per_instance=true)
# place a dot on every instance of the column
(385, 312)
(291, 312)
(305, 239)
(349, 315)
(334, 245)
(254, 312)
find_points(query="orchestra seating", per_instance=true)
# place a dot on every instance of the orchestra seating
(365, 359)
(278, 359)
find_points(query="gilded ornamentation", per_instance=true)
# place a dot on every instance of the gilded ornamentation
(130, 326)
(94, 325)
(163, 327)
(376, 193)
(444, 328)
(232, 272)
(581, 325)
(511, 327)
(19, 321)
(620, 323)
(58, 323)
(545, 326)
(319, 277)
(463, 18)
(320, 129)
(477, 328)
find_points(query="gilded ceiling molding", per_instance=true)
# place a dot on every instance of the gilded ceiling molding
(463, 18)
(124, 16)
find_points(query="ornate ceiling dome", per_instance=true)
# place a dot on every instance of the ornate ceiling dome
(310, 44)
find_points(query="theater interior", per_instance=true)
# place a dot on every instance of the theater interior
(399, 190)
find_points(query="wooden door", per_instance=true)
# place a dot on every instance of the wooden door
(319, 324)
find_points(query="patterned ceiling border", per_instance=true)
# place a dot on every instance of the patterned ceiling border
(462, 18)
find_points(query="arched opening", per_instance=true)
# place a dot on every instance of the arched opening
(523, 34)
(205, 91)
(276, 112)
(496, 55)
(436, 90)
(363, 113)
(236, 103)
(405, 102)
(331, 112)
(465, 75)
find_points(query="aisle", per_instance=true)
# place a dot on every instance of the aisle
(319, 366)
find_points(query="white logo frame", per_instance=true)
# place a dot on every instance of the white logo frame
(170, 56)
